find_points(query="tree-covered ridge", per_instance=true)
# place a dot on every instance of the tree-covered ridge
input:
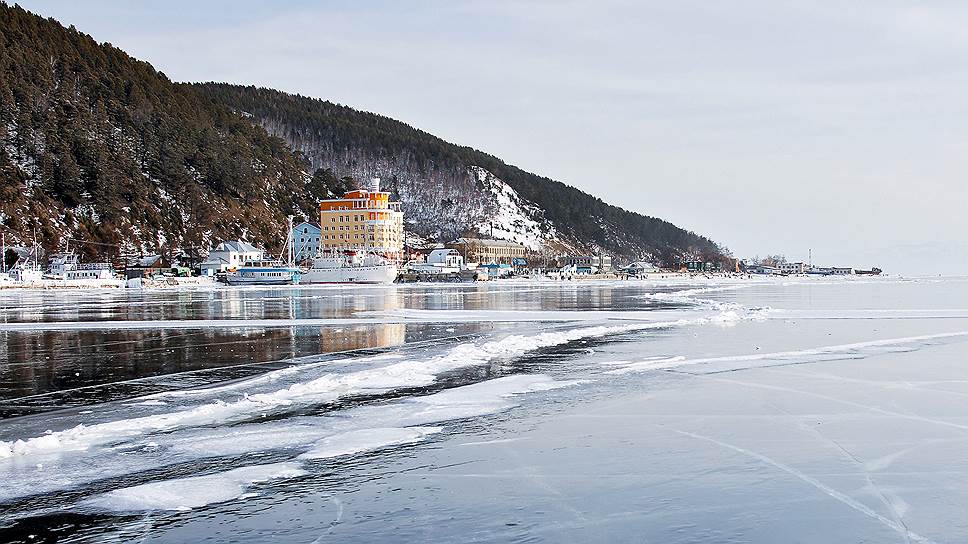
(351, 142)
(98, 146)
(102, 149)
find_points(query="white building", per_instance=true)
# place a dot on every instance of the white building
(230, 254)
(448, 258)
(839, 271)
(640, 268)
(305, 240)
(793, 268)
(598, 263)
(440, 261)
(762, 269)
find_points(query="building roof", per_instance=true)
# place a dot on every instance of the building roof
(218, 261)
(444, 251)
(144, 262)
(306, 223)
(237, 246)
(487, 242)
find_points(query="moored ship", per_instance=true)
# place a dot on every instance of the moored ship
(263, 272)
(350, 266)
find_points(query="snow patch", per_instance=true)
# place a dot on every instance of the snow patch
(365, 440)
(511, 217)
(191, 492)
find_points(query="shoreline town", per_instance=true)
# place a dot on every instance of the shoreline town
(359, 239)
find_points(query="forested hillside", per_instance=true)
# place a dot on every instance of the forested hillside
(101, 149)
(98, 146)
(432, 173)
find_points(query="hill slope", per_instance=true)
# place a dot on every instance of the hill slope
(437, 180)
(100, 148)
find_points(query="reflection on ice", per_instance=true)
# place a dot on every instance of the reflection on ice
(842, 418)
(326, 388)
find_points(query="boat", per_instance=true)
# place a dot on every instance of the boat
(872, 272)
(67, 270)
(350, 266)
(263, 272)
(268, 270)
(25, 270)
(25, 273)
(68, 267)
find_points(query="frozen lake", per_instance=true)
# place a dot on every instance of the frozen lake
(801, 410)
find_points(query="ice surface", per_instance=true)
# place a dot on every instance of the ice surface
(409, 373)
(858, 350)
(365, 440)
(192, 492)
(855, 433)
(364, 426)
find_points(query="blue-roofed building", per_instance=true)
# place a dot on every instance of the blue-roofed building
(305, 240)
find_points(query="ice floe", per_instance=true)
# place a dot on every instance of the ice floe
(364, 440)
(363, 428)
(191, 492)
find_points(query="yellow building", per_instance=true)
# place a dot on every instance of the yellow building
(363, 219)
(485, 251)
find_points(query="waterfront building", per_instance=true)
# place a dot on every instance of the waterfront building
(485, 251)
(762, 269)
(448, 258)
(793, 268)
(305, 240)
(700, 266)
(363, 219)
(229, 255)
(641, 268)
(146, 266)
(598, 263)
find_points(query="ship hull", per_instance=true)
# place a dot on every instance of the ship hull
(350, 274)
(263, 276)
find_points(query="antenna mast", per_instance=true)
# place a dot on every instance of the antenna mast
(292, 243)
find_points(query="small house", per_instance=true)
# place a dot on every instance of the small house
(230, 255)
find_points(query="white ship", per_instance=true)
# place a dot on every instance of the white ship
(24, 271)
(265, 272)
(350, 266)
(68, 270)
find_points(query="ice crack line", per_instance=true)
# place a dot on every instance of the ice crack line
(852, 503)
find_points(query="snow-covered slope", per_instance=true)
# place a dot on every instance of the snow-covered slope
(509, 217)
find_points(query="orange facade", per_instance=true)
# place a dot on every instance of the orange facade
(362, 219)
(358, 200)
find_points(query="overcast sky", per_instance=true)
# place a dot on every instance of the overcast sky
(769, 126)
